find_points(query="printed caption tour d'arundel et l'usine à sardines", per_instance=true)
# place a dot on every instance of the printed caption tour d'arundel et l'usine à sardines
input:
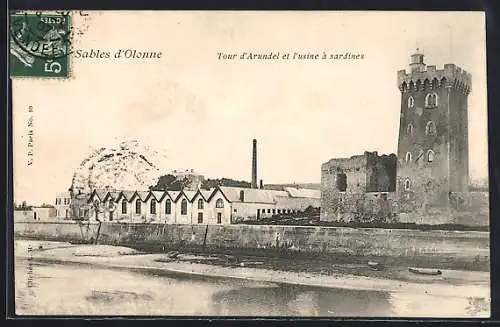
(367, 205)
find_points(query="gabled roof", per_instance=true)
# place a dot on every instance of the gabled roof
(127, 195)
(99, 193)
(175, 195)
(215, 191)
(159, 195)
(207, 193)
(252, 195)
(190, 195)
(204, 194)
(303, 192)
(113, 195)
(142, 195)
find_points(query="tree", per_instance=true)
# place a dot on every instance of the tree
(170, 182)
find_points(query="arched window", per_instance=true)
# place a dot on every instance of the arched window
(411, 102)
(430, 128)
(409, 129)
(200, 203)
(111, 203)
(435, 83)
(184, 207)
(430, 156)
(408, 156)
(431, 100)
(407, 184)
(138, 206)
(168, 207)
(219, 203)
(152, 207)
(124, 206)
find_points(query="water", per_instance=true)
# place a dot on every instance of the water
(50, 289)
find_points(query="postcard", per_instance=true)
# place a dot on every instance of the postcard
(250, 163)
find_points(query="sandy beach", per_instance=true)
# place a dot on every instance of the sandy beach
(451, 283)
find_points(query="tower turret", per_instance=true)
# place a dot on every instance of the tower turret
(417, 62)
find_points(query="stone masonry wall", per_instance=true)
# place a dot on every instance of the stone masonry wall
(409, 245)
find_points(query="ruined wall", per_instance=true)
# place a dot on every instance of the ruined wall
(429, 246)
(371, 207)
(371, 174)
(381, 172)
(355, 168)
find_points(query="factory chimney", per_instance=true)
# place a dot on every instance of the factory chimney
(254, 164)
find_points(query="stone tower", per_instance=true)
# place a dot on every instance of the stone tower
(433, 156)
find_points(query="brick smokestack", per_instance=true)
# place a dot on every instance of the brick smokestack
(254, 164)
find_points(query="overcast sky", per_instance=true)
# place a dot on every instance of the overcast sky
(203, 113)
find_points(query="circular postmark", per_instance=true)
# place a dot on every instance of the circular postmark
(42, 35)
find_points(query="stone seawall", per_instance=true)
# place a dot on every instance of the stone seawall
(468, 249)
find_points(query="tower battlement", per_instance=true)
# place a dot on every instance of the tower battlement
(450, 76)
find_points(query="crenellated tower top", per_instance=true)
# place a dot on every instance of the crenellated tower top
(421, 76)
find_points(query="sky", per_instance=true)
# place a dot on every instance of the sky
(202, 113)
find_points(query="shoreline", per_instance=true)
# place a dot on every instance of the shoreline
(64, 253)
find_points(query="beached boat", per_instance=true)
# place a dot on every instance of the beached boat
(425, 271)
(173, 254)
(374, 265)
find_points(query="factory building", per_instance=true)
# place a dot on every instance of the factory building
(217, 206)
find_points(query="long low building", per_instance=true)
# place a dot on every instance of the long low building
(221, 205)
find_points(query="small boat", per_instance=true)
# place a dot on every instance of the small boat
(425, 271)
(374, 265)
(173, 254)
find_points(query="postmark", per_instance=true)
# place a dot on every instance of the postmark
(40, 44)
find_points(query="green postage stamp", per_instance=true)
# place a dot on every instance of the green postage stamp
(40, 44)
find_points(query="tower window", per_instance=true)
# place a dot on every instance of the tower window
(430, 156)
(408, 156)
(407, 184)
(430, 128)
(411, 102)
(409, 129)
(431, 100)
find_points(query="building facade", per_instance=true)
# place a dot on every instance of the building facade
(35, 214)
(217, 206)
(63, 205)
